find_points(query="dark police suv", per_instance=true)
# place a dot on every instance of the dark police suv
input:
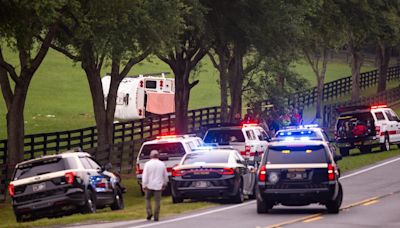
(298, 173)
(61, 184)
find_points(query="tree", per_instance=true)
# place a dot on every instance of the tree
(183, 57)
(320, 35)
(20, 23)
(243, 33)
(121, 33)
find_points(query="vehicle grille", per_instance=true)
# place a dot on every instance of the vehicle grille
(39, 195)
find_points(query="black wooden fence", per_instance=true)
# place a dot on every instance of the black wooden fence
(128, 136)
(338, 88)
(387, 97)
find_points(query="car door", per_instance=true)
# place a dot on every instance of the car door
(392, 126)
(263, 138)
(396, 128)
(246, 174)
(252, 142)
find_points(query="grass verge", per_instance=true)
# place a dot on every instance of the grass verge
(135, 207)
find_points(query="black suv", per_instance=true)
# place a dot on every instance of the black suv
(299, 173)
(61, 184)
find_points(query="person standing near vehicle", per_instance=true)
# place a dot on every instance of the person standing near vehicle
(154, 180)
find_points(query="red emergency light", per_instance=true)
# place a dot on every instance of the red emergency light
(378, 106)
(166, 137)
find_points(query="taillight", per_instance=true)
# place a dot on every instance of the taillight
(138, 170)
(176, 172)
(140, 112)
(247, 149)
(11, 190)
(141, 83)
(101, 185)
(331, 172)
(70, 177)
(262, 173)
(161, 83)
(228, 171)
(378, 130)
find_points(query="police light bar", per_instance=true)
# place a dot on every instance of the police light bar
(378, 106)
(174, 136)
(250, 125)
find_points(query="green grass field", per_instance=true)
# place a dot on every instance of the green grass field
(59, 97)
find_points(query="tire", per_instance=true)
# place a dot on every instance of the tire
(385, 146)
(239, 196)
(365, 149)
(176, 200)
(18, 218)
(344, 152)
(90, 204)
(118, 201)
(333, 206)
(263, 207)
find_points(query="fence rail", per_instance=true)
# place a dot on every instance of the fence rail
(129, 135)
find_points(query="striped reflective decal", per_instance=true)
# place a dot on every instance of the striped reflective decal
(294, 166)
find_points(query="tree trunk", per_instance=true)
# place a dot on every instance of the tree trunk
(356, 61)
(320, 83)
(236, 83)
(222, 68)
(15, 125)
(384, 58)
(182, 93)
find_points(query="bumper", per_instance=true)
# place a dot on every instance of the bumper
(353, 143)
(72, 199)
(298, 197)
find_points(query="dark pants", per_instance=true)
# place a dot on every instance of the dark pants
(157, 199)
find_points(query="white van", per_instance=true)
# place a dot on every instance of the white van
(153, 93)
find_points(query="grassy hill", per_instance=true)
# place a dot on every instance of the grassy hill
(59, 97)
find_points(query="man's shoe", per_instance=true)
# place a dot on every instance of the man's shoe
(155, 219)
(149, 217)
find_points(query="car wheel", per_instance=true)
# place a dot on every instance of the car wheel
(118, 201)
(18, 218)
(263, 207)
(90, 204)
(176, 200)
(386, 144)
(333, 206)
(239, 196)
(365, 149)
(344, 152)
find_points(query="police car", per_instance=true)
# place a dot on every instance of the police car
(171, 149)
(366, 127)
(213, 173)
(249, 139)
(305, 132)
(298, 173)
(61, 184)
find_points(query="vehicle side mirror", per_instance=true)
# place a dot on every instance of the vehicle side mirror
(337, 157)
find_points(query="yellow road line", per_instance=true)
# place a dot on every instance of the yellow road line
(370, 202)
(359, 203)
(313, 219)
(294, 220)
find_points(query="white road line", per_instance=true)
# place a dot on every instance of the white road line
(195, 215)
(369, 169)
(253, 201)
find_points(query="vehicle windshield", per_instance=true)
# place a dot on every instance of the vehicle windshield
(40, 167)
(355, 124)
(206, 157)
(224, 136)
(296, 155)
(164, 149)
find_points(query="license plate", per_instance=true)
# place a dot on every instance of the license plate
(296, 176)
(38, 187)
(200, 184)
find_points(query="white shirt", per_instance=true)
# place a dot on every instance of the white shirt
(154, 175)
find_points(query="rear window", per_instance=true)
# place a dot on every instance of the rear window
(224, 136)
(151, 84)
(164, 150)
(206, 157)
(296, 155)
(43, 166)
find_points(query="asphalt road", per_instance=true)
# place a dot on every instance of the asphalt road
(371, 198)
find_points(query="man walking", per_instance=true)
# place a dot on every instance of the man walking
(155, 179)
